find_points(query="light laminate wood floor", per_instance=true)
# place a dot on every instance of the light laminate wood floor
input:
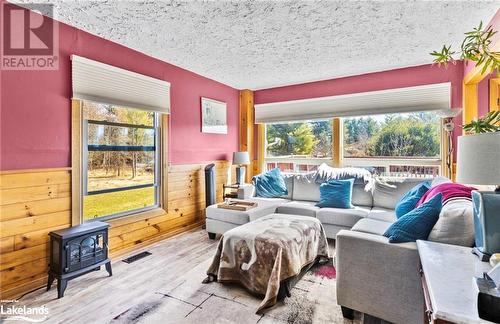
(134, 288)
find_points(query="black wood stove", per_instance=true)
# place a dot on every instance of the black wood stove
(76, 251)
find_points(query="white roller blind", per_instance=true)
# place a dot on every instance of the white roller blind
(401, 100)
(105, 83)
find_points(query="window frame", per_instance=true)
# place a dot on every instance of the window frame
(79, 166)
(338, 159)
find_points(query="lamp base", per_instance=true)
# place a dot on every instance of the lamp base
(484, 257)
(240, 174)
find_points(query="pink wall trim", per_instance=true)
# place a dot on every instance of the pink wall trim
(35, 106)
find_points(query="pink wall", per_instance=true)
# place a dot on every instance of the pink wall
(35, 107)
(399, 78)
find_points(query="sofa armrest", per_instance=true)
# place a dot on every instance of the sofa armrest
(379, 278)
(246, 191)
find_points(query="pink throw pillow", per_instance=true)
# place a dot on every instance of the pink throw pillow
(449, 191)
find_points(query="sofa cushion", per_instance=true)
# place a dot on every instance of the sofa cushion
(342, 216)
(455, 224)
(417, 224)
(361, 197)
(265, 206)
(382, 214)
(371, 226)
(304, 208)
(305, 188)
(227, 215)
(288, 177)
(270, 184)
(387, 194)
(336, 194)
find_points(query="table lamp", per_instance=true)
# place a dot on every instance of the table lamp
(240, 159)
(478, 163)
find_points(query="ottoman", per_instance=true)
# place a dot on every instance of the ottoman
(266, 255)
(220, 220)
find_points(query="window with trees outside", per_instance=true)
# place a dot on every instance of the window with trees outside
(298, 146)
(407, 144)
(121, 159)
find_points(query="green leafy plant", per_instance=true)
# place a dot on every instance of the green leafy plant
(489, 123)
(475, 47)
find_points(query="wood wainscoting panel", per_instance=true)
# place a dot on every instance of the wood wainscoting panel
(32, 203)
(35, 202)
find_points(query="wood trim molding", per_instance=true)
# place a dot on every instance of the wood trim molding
(76, 162)
(246, 124)
(495, 94)
(164, 129)
(261, 147)
(35, 170)
(337, 142)
(470, 103)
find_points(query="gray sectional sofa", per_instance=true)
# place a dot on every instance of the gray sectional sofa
(373, 276)
(303, 194)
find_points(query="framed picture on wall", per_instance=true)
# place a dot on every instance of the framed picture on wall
(213, 116)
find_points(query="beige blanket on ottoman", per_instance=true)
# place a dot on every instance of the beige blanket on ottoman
(261, 254)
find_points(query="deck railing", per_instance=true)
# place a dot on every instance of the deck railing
(390, 166)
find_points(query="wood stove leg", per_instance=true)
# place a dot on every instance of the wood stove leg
(108, 268)
(50, 281)
(61, 287)
(211, 236)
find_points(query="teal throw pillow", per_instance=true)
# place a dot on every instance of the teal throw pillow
(417, 224)
(336, 194)
(410, 199)
(270, 184)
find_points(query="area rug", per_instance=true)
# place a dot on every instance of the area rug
(187, 300)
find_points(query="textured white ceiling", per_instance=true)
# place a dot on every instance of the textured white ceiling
(262, 44)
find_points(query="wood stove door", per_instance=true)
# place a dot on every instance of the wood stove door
(85, 251)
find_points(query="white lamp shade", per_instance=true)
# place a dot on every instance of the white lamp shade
(240, 158)
(478, 159)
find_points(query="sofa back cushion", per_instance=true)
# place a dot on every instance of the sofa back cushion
(288, 177)
(387, 194)
(361, 197)
(455, 224)
(305, 187)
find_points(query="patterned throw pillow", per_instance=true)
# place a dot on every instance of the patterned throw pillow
(417, 224)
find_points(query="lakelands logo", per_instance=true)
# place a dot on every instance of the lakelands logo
(30, 37)
(12, 312)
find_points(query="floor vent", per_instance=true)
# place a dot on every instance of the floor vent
(136, 257)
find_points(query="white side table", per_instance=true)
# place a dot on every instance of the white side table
(447, 280)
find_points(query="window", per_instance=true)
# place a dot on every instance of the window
(407, 143)
(402, 144)
(121, 160)
(299, 146)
